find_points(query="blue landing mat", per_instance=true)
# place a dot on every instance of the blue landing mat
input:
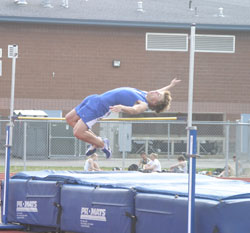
(164, 183)
(128, 202)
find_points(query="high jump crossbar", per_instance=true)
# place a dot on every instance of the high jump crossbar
(105, 119)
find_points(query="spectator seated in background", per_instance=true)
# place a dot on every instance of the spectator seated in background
(154, 165)
(116, 169)
(144, 160)
(231, 171)
(217, 171)
(133, 167)
(91, 163)
(181, 166)
(238, 166)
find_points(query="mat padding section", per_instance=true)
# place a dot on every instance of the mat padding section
(127, 202)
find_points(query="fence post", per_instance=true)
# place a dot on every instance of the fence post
(25, 145)
(248, 148)
(125, 134)
(168, 140)
(227, 147)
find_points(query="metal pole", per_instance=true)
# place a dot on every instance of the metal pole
(227, 149)
(191, 75)
(125, 131)
(248, 146)
(123, 159)
(192, 145)
(9, 131)
(191, 150)
(6, 177)
(146, 146)
(168, 140)
(25, 145)
(12, 97)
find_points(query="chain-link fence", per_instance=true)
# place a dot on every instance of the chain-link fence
(52, 144)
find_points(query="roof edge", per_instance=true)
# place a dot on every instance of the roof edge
(113, 23)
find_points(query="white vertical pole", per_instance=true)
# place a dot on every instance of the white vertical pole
(191, 137)
(12, 97)
(9, 132)
(191, 75)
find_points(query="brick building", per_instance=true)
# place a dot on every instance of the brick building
(66, 54)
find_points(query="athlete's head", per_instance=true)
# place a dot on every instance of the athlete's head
(181, 158)
(143, 155)
(159, 101)
(153, 156)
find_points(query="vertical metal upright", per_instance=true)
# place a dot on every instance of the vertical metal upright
(12, 53)
(6, 177)
(192, 150)
(124, 140)
(191, 136)
(168, 140)
(24, 145)
(227, 150)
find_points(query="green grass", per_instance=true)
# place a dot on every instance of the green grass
(205, 169)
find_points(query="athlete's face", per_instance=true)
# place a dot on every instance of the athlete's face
(154, 97)
(152, 157)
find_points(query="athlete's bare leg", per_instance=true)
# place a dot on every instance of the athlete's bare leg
(96, 166)
(82, 132)
(72, 118)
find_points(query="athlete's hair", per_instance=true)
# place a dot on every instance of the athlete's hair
(162, 105)
(155, 155)
(93, 156)
(143, 153)
(181, 158)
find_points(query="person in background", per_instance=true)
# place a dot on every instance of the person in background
(116, 169)
(181, 166)
(133, 167)
(91, 163)
(144, 160)
(238, 166)
(231, 169)
(154, 165)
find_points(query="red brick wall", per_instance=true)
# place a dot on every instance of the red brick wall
(81, 58)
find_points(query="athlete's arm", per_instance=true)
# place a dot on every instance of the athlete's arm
(136, 109)
(96, 166)
(172, 84)
(150, 167)
(91, 165)
(174, 166)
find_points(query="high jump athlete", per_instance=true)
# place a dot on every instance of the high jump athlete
(124, 99)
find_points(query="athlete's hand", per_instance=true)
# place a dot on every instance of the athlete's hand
(116, 108)
(174, 82)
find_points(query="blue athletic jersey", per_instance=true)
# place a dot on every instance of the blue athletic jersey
(124, 95)
(95, 106)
